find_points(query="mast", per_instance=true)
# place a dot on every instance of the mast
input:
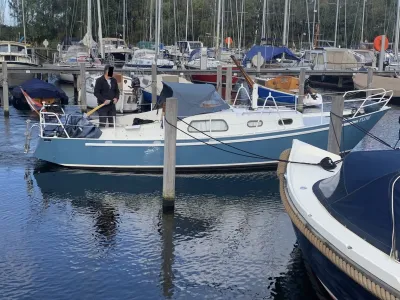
(218, 27)
(222, 23)
(23, 23)
(362, 25)
(336, 23)
(124, 18)
(308, 24)
(100, 30)
(315, 8)
(285, 20)
(264, 19)
(396, 42)
(158, 28)
(187, 19)
(151, 21)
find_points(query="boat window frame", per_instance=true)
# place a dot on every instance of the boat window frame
(191, 128)
(257, 123)
(281, 122)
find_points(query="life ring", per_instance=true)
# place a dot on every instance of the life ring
(378, 43)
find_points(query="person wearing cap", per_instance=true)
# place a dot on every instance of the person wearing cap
(106, 91)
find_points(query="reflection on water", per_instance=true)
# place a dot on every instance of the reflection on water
(76, 234)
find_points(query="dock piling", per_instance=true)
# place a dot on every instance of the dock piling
(170, 125)
(228, 89)
(382, 53)
(203, 58)
(369, 80)
(219, 79)
(83, 87)
(335, 126)
(153, 84)
(302, 79)
(259, 57)
(6, 103)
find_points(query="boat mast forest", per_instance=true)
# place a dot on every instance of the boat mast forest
(249, 21)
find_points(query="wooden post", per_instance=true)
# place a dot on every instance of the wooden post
(369, 80)
(258, 63)
(6, 104)
(171, 113)
(382, 53)
(83, 87)
(219, 79)
(335, 126)
(228, 88)
(153, 84)
(302, 79)
(203, 58)
(76, 93)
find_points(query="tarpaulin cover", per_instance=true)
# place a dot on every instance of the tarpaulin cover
(75, 126)
(360, 196)
(193, 99)
(269, 53)
(36, 88)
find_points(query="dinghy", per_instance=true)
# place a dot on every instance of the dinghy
(344, 214)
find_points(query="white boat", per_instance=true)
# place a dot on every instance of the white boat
(17, 55)
(116, 50)
(211, 134)
(144, 59)
(129, 98)
(344, 213)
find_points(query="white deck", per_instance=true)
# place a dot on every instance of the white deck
(349, 244)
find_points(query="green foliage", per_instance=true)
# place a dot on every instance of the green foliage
(55, 19)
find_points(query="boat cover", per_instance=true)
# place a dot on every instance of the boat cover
(193, 99)
(360, 196)
(75, 126)
(196, 54)
(36, 88)
(269, 53)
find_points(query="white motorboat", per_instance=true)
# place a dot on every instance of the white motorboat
(144, 59)
(17, 55)
(344, 213)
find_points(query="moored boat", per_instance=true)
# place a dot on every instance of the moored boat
(257, 135)
(344, 214)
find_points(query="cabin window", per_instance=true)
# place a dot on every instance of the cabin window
(10, 58)
(3, 48)
(208, 126)
(285, 122)
(255, 123)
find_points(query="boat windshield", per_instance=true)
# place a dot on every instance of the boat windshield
(3, 48)
(195, 45)
(17, 48)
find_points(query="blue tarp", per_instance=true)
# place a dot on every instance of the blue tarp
(36, 88)
(269, 53)
(193, 99)
(360, 196)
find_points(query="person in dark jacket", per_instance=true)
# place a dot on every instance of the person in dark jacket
(106, 91)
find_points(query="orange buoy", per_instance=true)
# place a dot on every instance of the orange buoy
(378, 43)
(228, 40)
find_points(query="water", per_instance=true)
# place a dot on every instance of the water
(68, 234)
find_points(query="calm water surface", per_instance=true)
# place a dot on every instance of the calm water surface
(67, 234)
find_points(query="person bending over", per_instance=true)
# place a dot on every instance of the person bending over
(106, 91)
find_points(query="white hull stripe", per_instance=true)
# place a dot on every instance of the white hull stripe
(178, 166)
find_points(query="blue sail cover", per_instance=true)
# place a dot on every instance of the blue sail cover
(360, 196)
(193, 99)
(269, 53)
(36, 88)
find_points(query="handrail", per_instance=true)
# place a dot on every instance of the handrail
(237, 93)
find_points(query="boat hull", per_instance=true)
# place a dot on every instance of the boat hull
(337, 284)
(193, 154)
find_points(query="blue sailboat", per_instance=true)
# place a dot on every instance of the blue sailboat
(211, 134)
